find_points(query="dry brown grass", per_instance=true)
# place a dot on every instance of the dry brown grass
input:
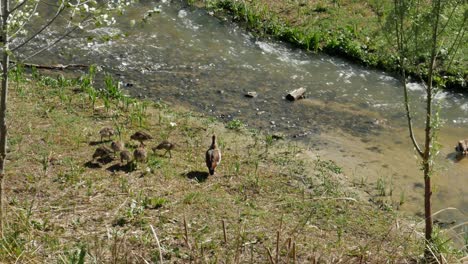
(60, 204)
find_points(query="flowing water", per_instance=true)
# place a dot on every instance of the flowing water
(352, 114)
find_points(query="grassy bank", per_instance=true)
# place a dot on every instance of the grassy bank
(266, 204)
(355, 30)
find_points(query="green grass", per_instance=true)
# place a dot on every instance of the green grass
(62, 210)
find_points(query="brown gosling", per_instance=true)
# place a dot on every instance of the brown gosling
(126, 156)
(213, 156)
(117, 146)
(462, 147)
(141, 136)
(106, 132)
(140, 155)
(168, 146)
(102, 152)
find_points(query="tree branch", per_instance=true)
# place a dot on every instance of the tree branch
(53, 43)
(61, 37)
(26, 21)
(409, 118)
(400, 46)
(59, 11)
(18, 6)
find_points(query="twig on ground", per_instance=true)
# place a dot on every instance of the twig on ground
(157, 242)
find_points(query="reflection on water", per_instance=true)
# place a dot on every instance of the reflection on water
(352, 114)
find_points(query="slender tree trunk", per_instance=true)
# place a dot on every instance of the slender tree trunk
(428, 137)
(427, 202)
(3, 107)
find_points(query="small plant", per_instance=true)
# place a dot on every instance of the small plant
(72, 173)
(381, 185)
(45, 163)
(154, 202)
(119, 127)
(123, 184)
(112, 88)
(465, 239)
(35, 73)
(140, 113)
(18, 73)
(154, 163)
(74, 256)
(237, 167)
(268, 143)
(235, 124)
(128, 101)
(192, 197)
(107, 102)
(92, 94)
(441, 246)
(402, 198)
(136, 209)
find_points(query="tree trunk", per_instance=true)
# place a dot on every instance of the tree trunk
(3, 107)
(427, 202)
(428, 132)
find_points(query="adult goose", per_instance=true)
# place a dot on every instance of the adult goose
(213, 156)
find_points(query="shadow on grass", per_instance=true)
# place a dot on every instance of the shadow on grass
(98, 163)
(200, 176)
(92, 165)
(119, 167)
(95, 143)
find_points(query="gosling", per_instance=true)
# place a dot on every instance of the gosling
(117, 146)
(126, 156)
(102, 152)
(106, 132)
(168, 146)
(140, 155)
(141, 136)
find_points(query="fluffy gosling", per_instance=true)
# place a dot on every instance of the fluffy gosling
(126, 156)
(106, 132)
(141, 136)
(102, 152)
(166, 145)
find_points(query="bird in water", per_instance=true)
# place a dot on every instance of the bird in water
(462, 147)
(213, 156)
(126, 156)
(140, 155)
(102, 152)
(141, 136)
(117, 146)
(168, 146)
(106, 132)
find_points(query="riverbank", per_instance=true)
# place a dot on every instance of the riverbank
(354, 30)
(268, 200)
